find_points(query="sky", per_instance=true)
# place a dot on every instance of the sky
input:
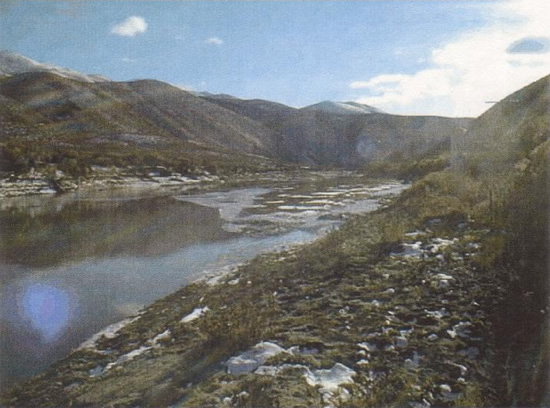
(435, 57)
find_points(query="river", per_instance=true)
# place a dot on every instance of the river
(73, 264)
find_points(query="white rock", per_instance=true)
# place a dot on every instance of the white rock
(250, 360)
(445, 389)
(195, 314)
(460, 330)
(128, 357)
(367, 346)
(330, 380)
(438, 314)
(109, 332)
(162, 336)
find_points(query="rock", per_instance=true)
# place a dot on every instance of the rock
(460, 330)
(368, 346)
(195, 314)
(401, 342)
(252, 359)
(331, 379)
(445, 389)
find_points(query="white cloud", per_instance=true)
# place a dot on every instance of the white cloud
(130, 27)
(129, 60)
(214, 41)
(470, 70)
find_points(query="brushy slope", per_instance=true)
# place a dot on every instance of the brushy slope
(500, 177)
(49, 120)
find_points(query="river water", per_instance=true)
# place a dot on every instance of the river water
(73, 264)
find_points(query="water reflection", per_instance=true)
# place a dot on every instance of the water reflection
(72, 269)
(103, 228)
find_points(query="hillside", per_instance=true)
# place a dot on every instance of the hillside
(111, 109)
(499, 177)
(516, 168)
(438, 299)
(319, 136)
(12, 63)
(47, 119)
(50, 120)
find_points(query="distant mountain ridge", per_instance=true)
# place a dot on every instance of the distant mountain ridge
(343, 108)
(12, 63)
(315, 136)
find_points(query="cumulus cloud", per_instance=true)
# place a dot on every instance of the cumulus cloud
(130, 27)
(214, 41)
(479, 66)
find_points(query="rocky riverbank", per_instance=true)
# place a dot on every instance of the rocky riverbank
(100, 178)
(384, 310)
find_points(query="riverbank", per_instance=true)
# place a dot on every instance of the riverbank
(158, 180)
(387, 308)
(63, 248)
(100, 178)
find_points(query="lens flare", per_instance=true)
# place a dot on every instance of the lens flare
(47, 309)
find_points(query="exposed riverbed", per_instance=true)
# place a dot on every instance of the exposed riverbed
(74, 264)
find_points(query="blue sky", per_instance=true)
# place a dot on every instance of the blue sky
(407, 57)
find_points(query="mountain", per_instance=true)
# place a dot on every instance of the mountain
(129, 120)
(211, 95)
(507, 132)
(342, 108)
(322, 137)
(12, 63)
(47, 117)
(508, 150)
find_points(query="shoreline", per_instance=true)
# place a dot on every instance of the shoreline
(352, 187)
(206, 330)
(103, 179)
(36, 184)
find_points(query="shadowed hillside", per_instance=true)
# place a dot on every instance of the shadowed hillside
(508, 149)
(330, 137)
(500, 178)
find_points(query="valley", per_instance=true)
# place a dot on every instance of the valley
(258, 255)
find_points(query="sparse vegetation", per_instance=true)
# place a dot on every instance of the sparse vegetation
(440, 298)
